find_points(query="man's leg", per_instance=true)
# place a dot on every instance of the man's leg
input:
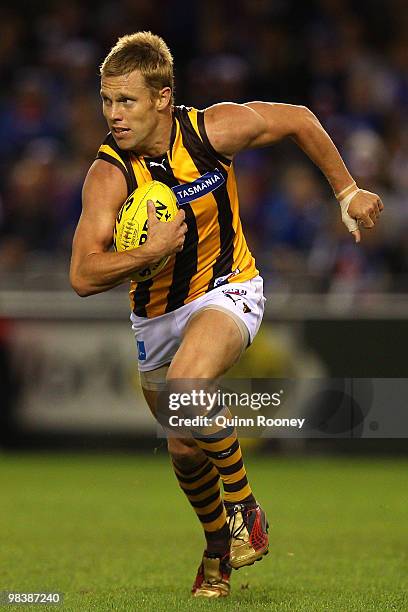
(200, 481)
(212, 343)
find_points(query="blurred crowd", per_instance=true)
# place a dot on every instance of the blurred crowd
(347, 61)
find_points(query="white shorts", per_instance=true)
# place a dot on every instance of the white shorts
(159, 338)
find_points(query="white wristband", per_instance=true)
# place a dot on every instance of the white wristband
(352, 186)
(348, 221)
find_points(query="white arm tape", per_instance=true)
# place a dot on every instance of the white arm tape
(348, 221)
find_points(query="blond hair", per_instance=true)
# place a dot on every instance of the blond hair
(145, 52)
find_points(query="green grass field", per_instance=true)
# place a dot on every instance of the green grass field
(114, 532)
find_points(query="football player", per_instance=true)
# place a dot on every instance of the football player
(185, 322)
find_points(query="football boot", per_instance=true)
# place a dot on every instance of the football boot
(249, 534)
(213, 577)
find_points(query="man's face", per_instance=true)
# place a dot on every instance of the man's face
(129, 109)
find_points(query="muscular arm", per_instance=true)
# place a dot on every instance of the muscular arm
(234, 127)
(94, 268)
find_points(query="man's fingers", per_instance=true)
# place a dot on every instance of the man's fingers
(377, 211)
(378, 207)
(357, 235)
(374, 214)
(366, 222)
(151, 213)
(183, 229)
(181, 215)
(181, 243)
(379, 204)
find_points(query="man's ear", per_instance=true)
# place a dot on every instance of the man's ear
(164, 98)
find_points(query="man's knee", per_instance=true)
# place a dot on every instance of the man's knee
(185, 452)
(182, 371)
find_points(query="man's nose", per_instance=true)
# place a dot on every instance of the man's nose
(115, 112)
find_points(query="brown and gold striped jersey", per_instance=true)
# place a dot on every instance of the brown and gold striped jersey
(215, 251)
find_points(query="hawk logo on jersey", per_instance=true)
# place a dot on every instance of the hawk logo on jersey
(210, 181)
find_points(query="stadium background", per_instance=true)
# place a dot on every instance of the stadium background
(68, 378)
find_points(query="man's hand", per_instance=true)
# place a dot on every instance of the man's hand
(164, 238)
(94, 267)
(365, 208)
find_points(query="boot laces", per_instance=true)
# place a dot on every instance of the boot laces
(237, 530)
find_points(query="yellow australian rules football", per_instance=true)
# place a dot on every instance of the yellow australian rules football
(131, 224)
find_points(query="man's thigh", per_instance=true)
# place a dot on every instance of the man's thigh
(211, 344)
(221, 326)
(157, 340)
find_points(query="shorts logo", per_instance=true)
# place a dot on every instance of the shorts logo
(141, 350)
(238, 301)
(210, 181)
(234, 291)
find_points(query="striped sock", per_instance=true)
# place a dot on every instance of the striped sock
(224, 451)
(202, 488)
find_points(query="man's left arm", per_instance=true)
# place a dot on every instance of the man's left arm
(234, 127)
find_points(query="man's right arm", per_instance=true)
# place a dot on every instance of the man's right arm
(94, 268)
